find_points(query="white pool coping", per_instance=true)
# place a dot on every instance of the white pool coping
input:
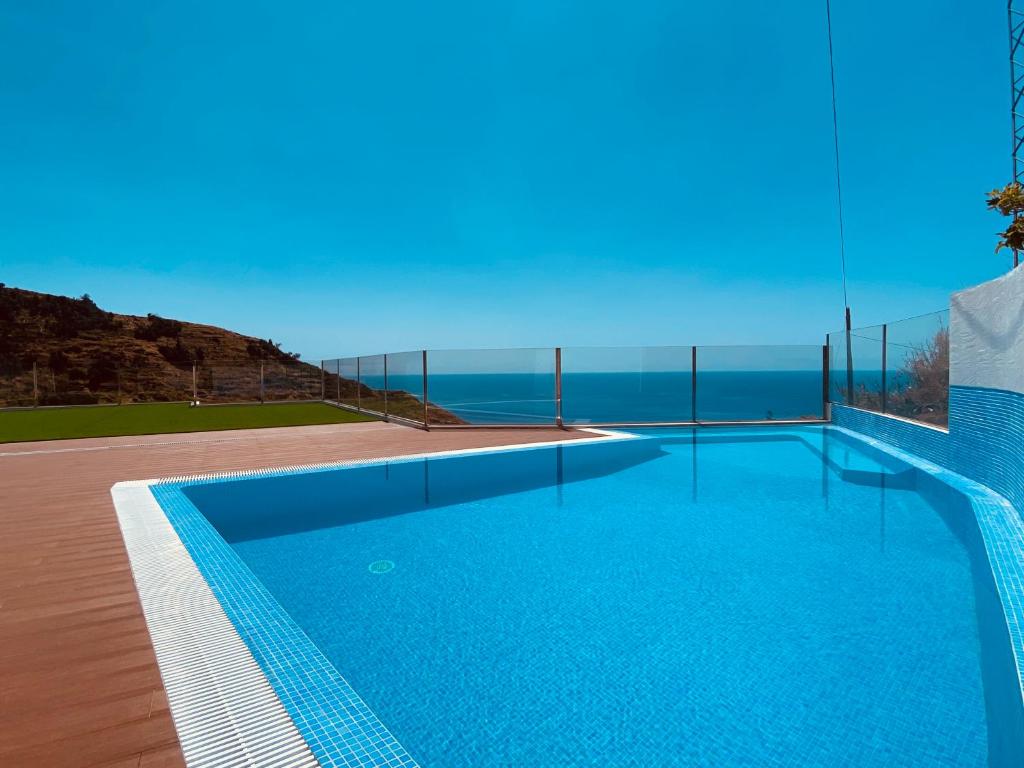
(224, 708)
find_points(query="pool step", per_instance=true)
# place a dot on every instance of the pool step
(905, 480)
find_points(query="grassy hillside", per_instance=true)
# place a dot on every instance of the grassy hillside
(56, 350)
(83, 354)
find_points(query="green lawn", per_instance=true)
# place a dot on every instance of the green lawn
(158, 418)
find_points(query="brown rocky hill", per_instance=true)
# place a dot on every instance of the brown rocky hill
(56, 350)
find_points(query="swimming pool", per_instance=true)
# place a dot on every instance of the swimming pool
(709, 597)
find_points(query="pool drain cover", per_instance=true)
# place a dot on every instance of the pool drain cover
(381, 566)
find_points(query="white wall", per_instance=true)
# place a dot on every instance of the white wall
(986, 334)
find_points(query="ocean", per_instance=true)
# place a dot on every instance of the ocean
(526, 398)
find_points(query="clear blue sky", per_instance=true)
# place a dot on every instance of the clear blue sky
(360, 177)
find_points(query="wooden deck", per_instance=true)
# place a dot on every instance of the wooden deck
(79, 684)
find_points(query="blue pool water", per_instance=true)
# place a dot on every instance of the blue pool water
(784, 597)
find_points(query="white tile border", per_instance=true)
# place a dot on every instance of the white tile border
(224, 709)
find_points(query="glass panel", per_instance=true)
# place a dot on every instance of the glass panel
(331, 380)
(865, 356)
(372, 372)
(150, 384)
(493, 386)
(866, 346)
(291, 380)
(95, 382)
(237, 383)
(87, 382)
(405, 385)
(338, 388)
(918, 368)
(837, 368)
(348, 389)
(634, 385)
(755, 383)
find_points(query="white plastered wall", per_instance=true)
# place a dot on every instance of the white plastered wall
(987, 334)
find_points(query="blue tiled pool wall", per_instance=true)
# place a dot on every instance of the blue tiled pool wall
(945, 483)
(964, 513)
(985, 441)
(930, 444)
(264, 506)
(986, 427)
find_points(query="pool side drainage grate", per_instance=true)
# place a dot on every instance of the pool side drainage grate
(224, 708)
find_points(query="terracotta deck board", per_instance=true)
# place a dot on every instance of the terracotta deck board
(79, 685)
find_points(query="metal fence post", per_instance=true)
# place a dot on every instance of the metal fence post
(195, 391)
(261, 382)
(849, 362)
(323, 382)
(385, 387)
(558, 387)
(828, 400)
(824, 380)
(426, 409)
(359, 384)
(337, 374)
(693, 384)
(885, 365)
(35, 385)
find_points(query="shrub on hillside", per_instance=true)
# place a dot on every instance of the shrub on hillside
(921, 388)
(260, 349)
(157, 327)
(60, 316)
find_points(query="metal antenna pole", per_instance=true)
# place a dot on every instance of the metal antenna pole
(1015, 22)
(839, 202)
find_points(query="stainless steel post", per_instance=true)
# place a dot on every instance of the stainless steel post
(359, 384)
(323, 381)
(693, 384)
(558, 387)
(35, 385)
(426, 409)
(195, 395)
(385, 387)
(824, 380)
(849, 362)
(337, 368)
(885, 350)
